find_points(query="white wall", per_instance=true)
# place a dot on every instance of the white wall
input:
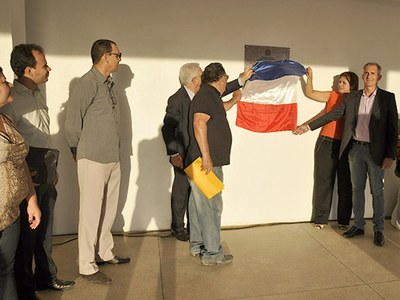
(271, 175)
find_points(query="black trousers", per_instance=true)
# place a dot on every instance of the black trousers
(326, 166)
(179, 200)
(36, 244)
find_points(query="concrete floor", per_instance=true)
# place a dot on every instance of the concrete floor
(289, 261)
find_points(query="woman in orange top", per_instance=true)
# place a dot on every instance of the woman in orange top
(326, 155)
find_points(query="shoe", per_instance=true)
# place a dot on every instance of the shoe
(353, 231)
(319, 226)
(55, 284)
(379, 239)
(227, 259)
(117, 260)
(196, 252)
(97, 277)
(180, 235)
(343, 227)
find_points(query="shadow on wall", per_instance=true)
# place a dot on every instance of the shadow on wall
(123, 80)
(154, 181)
(67, 187)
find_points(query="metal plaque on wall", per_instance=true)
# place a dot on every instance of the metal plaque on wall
(252, 54)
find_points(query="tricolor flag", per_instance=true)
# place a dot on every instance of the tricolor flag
(268, 102)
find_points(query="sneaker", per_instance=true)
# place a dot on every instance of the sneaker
(97, 277)
(227, 259)
(195, 252)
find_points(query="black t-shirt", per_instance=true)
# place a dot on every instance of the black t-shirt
(209, 102)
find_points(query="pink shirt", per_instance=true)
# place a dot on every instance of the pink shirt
(364, 116)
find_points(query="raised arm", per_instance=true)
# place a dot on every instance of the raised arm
(238, 83)
(319, 96)
(237, 95)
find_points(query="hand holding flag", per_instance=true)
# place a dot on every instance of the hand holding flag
(268, 103)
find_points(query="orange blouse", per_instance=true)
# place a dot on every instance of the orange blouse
(333, 129)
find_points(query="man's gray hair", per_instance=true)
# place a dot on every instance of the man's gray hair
(372, 63)
(188, 72)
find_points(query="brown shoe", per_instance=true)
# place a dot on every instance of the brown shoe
(97, 277)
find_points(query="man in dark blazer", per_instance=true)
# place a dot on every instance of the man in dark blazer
(176, 137)
(370, 136)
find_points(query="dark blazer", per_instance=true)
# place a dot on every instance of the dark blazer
(175, 129)
(382, 126)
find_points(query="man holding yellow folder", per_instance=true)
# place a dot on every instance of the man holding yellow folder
(210, 139)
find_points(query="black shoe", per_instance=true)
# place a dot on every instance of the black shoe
(97, 277)
(55, 284)
(353, 231)
(379, 239)
(180, 235)
(117, 260)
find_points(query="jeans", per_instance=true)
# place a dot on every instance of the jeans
(361, 165)
(205, 222)
(8, 246)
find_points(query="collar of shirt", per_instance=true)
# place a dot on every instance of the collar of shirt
(190, 93)
(20, 88)
(101, 78)
(371, 96)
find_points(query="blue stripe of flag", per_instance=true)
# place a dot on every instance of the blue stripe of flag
(270, 70)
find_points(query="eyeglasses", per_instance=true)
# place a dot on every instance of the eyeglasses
(119, 55)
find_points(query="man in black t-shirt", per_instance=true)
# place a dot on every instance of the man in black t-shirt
(210, 138)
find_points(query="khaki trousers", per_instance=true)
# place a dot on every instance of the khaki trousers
(99, 190)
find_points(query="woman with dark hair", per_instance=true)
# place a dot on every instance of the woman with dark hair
(15, 186)
(327, 163)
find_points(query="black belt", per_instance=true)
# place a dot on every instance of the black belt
(329, 138)
(361, 143)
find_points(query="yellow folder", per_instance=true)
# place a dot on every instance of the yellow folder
(209, 184)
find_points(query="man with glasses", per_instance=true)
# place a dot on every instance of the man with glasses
(176, 138)
(30, 114)
(210, 139)
(93, 134)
